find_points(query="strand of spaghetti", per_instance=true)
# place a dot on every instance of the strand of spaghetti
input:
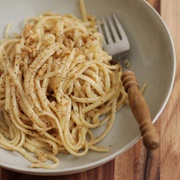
(66, 123)
(46, 40)
(38, 27)
(101, 101)
(51, 119)
(22, 140)
(51, 143)
(32, 70)
(21, 128)
(81, 139)
(42, 96)
(89, 91)
(2, 86)
(15, 108)
(85, 100)
(48, 75)
(16, 112)
(94, 76)
(17, 138)
(99, 149)
(46, 81)
(13, 136)
(27, 107)
(44, 165)
(75, 73)
(107, 79)
(90, 135)
(7, 92)
(60, 31)
(109, 126)
(39, 163)
(8, 28)
(83, 10)
(110, 67)
(8, 145)
(4, 43)
(75, 115)
(63, 75)
(36, 144)
(88, 124)
(74, 144)
(25, 62)
(78, 91)
(121, 100)
(57, 141)
(104, 120)
(94, 84)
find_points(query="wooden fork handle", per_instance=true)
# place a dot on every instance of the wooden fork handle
(140, 110)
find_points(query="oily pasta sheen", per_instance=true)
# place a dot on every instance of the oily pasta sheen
(56, 86)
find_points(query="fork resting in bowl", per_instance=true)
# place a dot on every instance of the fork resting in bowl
(116, 43)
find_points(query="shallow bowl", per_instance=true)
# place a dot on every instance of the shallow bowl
(152, 58)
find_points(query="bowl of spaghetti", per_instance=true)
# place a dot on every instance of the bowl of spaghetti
(63, 107)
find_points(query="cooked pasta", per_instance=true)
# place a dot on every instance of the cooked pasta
(56, 86)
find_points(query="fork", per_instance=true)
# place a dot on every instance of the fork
(115, 42)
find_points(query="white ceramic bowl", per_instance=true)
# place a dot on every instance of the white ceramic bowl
(152, 59)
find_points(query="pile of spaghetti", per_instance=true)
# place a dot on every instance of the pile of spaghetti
(56, 86)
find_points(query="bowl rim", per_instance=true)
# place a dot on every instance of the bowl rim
(97, 163)
(174, 63)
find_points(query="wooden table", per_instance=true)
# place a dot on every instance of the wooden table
(138, 163)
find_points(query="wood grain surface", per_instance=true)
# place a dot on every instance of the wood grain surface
(138, 163)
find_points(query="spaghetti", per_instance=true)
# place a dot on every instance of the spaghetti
(56, 86)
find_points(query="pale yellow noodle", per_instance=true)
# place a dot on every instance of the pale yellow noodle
(56, 86)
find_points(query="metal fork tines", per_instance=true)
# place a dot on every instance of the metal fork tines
(115, 40)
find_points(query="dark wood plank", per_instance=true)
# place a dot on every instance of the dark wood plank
(103, 172)
(170, 153)
(137, 163)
